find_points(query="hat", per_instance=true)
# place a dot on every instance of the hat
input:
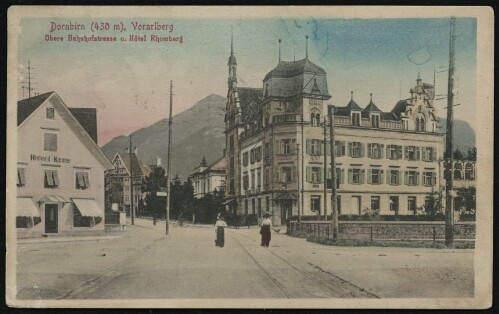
(219, 216)
(267, 215)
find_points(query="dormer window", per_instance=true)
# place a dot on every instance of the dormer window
(375, 121)
(420, 124)
(356, 119)
(315, 119)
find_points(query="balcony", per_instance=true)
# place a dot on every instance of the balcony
(286, 118)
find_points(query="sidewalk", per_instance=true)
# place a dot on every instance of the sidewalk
(65, 239)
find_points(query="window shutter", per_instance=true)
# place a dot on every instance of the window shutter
(309, 175)
(56, 178)
(418, 153)
(22, 176)
(406, 152)
(381, 151)
(350, 147)
(433, 179)
(328, 148)
(406, 177)
(293, 174)
(369, 152)
(49, 178)
(362, 148)
(277, 147)
(388, 152)
(381, 176)
(329, 173)
(399, 150)
(362, 176)
(350, 176)
(87, 181)
(308, 148)
(417, 177)
(321, 175)
(342, 176)
(276, 176)
(321, 147)
(433, 154)
(369, 176)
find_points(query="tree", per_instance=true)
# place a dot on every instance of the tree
(188, 198)
(466, 199)
(433, 204)
(176, 198)
(458, 154)
(156, 181)
(203, 162)
(471, 154)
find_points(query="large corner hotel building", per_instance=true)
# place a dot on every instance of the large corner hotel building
(384, 160)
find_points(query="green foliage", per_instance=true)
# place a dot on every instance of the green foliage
(471, 154)
(466, 200)
(369, 214)
(156, 181)
(433, 204)
(204, 162)
(458, 154)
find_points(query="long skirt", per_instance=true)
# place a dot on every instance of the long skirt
(220, 241)
(265, 232)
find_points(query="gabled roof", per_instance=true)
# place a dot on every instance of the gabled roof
(88, 120)
(219, 165)
(250, 103)
(138, 168)
(287, 69)
(371, 107)
(27, 107)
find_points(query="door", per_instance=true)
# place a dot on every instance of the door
(286, 206)
(51, 218)
(356, 205)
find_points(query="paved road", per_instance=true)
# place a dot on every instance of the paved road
(143, 263)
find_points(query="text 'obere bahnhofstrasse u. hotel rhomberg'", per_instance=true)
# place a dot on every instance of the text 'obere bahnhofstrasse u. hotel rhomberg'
(385, 161)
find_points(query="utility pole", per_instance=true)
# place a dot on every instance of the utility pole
(169, 162)
(449, 210)
(130, 152)
(324, 131)
(29, 79)
(333, 174)
(298, 179)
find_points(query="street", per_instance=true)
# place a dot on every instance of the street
(142, 263)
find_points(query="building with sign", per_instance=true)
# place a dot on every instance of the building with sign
(385, 161)
(60, 169)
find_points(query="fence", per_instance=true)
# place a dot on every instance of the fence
(382, 231)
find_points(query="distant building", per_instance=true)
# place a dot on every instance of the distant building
(385, 161)
(60, 169)
(123, 167)
(207, 179)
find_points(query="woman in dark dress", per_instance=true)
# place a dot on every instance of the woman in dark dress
(265, 230)
(219, 231)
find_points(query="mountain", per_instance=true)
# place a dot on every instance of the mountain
(196, 131)
(464, 135)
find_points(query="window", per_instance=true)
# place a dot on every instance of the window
(50, 113)
(51, 179)
(286, 146)
(50, 142)
(469, 171)
(267, 150)
(375, 176)
(394, 204)
(375, 150)
(394, 152)
(252, 156)
(259, 207)
(375, 121)
(82, 221)
(81, 180)
(316, 175)
(314, 147)
(420, 124)
(355, 176)
(246, 206)
(253, 206)
(429, 154)
(411, 152)
(394, 177)
(258, 177)
(245, 181)
(287, 174)
(252, 181)
(429, 178)
(458, 171)
(356, 149)
(258, 153)
(411, 177)
(245, 159)
(315, 203)
(23, 222)
(21, 177)
(356, 119)
(411, 204)
(315, 119)
(374, 203)
(340, 148)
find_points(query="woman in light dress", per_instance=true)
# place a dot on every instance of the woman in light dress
(220, 225)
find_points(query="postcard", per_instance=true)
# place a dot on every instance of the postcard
(249, 157)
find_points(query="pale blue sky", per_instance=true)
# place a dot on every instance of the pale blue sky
(129, 82)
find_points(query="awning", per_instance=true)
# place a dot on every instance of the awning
(54, 199)
(229, 201)
(88, 207)
(26, 207)
(286, 195)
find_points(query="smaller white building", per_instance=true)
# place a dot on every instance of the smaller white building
(207, 179)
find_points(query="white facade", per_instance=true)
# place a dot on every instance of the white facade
(205, 180)
(61, 172)
(252, 201)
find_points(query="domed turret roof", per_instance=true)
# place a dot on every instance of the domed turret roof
(288, 69)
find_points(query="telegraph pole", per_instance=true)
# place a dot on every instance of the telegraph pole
(298, 179)
(333, 174)
(169, 162)
(324, 131)
(449, 210)
(130, 152)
